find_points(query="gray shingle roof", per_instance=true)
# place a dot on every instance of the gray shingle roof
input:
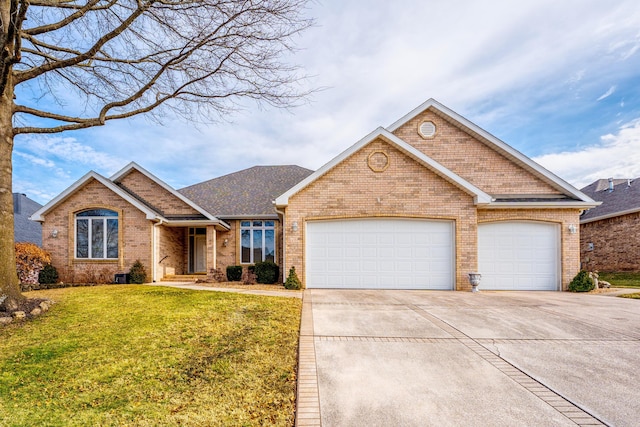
(624, 197)
(24, 229)
(247, 192)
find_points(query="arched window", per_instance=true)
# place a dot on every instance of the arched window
(97, 234)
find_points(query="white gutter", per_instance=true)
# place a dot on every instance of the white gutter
(284, 243)
(539, 205)
(611, 215)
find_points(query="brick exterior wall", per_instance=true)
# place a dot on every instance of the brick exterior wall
(407, 189)
(134, 235)
(172, 242)
(616, 244)
(471, 159)
(155, 195)
(230, 255)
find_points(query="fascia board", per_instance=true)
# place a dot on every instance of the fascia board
(541, 205)
(413, 113)
(611, 215)
(38, 215)
(133, 165)
(497, 143)
(480, 197)
(195, 223)
(256, 217)
(283, 200)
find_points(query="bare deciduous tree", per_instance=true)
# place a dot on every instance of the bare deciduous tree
(70, 64)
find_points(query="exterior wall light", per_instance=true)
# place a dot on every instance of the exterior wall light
(294, 226)
(225, 242)
(573, 229)
(54, 233)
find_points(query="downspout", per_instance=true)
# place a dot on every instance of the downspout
(284, 245)
(154, 231)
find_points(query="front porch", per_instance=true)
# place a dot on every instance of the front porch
(185, 253)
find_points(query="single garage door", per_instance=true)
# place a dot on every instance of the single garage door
(519, 256)
(380, 254)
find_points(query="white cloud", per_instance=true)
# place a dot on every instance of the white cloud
(498, 63)
(38, 161)
(67, 150)
(617, 156)
(607, 94)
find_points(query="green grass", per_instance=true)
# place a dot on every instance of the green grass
(622, 279)
(151, 356)
(632, 296)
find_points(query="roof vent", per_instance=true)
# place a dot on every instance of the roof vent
(610, 185)
(427, 129)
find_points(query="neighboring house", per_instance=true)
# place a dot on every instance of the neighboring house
(24, 229)
(416, 205)
(610, 233)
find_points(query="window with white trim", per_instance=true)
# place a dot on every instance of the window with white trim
(258, 241)
(97, 234)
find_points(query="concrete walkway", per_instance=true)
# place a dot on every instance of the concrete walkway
(427, 358)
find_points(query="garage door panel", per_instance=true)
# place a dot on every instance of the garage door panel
(519, 255)
(380, 253)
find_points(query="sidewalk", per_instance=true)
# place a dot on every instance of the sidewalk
(197, 287)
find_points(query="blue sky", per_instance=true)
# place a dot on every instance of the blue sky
(558, 81)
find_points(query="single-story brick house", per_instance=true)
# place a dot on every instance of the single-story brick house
(416, 205)
(610, 233)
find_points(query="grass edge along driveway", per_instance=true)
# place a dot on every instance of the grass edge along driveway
(138, 355)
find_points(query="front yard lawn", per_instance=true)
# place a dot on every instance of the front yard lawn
(632, 296)
(141, 355)
(622, 279)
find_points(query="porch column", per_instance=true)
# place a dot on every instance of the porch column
(212, 260)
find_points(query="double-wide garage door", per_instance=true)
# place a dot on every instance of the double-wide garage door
(380, 254)
(517, 255)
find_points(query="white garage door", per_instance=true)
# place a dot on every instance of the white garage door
(380, 254)
(519, 256)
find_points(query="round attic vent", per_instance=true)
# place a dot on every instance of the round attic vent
(427, 129)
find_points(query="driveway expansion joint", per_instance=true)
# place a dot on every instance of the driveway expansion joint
(567, 408)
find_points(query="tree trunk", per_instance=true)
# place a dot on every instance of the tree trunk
(10, 294)
(9, 286)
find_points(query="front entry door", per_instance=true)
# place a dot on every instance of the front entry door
(197, 250)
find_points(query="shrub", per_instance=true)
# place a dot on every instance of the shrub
(48, 275)
(234, 273)
(293, 282)
(267, 272)
(217, 275)
(137, 273)
(30, 259)
(582, 282)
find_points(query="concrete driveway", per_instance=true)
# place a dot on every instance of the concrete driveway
(428, 358)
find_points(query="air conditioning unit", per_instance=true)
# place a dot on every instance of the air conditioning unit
(121, 278)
